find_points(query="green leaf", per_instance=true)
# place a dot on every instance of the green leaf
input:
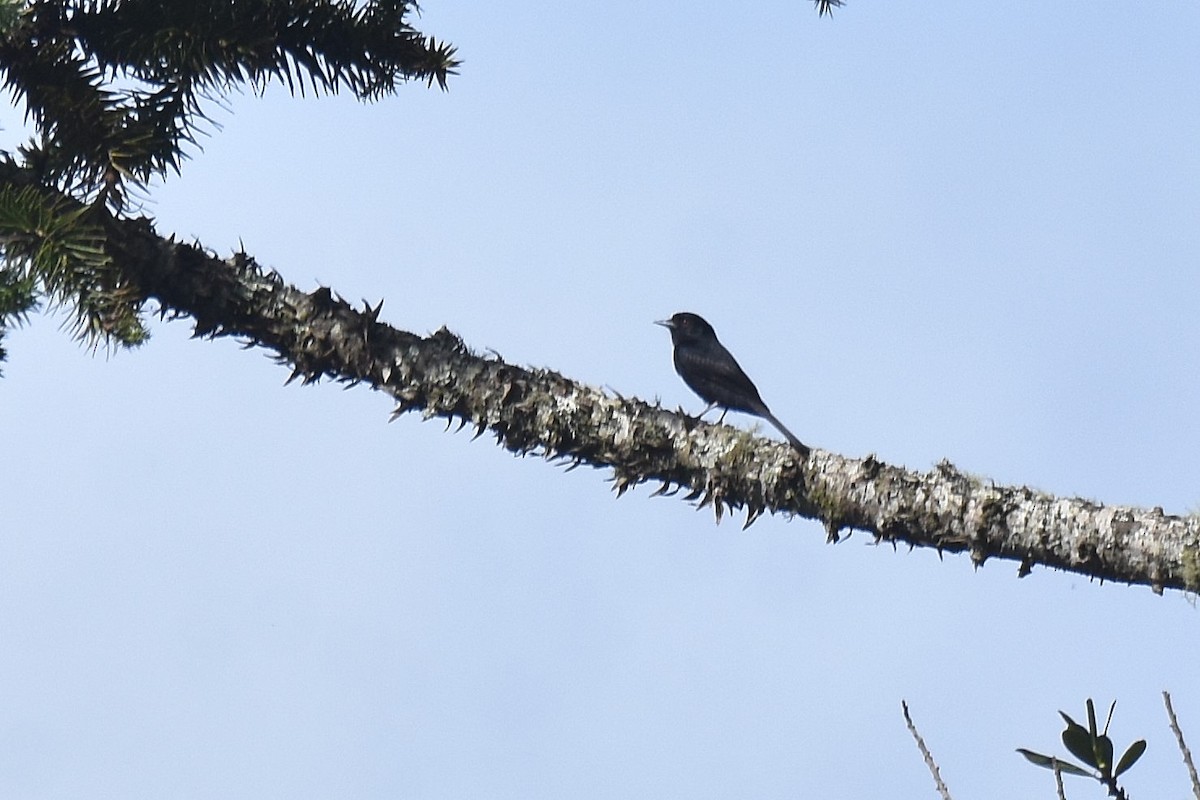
(18, 295)
(1079, 743)
(1108, 721)
(1091, 707)
(1065, 767)
(1131, 756)
(10, 12)
(1103, 748)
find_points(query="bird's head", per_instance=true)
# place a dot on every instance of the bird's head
(688, 327)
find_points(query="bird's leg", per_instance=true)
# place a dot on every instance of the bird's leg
(722, 417)
(707, 409)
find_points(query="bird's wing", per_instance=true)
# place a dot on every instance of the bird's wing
(717, 377)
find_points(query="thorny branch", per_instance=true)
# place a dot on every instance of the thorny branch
(539, 411)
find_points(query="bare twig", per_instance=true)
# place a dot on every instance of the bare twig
(1183, 748)
(943, 790)
(1062, 794)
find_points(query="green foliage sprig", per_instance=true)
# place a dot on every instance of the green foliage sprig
(115, 90)
(51, 247)
(1094, 749)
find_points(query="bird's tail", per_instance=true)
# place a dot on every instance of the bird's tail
(800, 446)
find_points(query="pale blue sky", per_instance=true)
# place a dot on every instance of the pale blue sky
(927, 230)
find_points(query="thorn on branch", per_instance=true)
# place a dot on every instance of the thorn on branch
(826, 6)
(752, 514)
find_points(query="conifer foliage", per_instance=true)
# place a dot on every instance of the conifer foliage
(115, 89)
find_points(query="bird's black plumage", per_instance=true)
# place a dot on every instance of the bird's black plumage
(713, 373)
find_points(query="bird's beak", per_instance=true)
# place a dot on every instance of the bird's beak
(666, 323)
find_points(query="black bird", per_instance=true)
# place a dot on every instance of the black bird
(713, 373)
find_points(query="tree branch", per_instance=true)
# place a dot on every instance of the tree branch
(943, 790)
(543, 412)
(1183, 748)
(539, 411)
